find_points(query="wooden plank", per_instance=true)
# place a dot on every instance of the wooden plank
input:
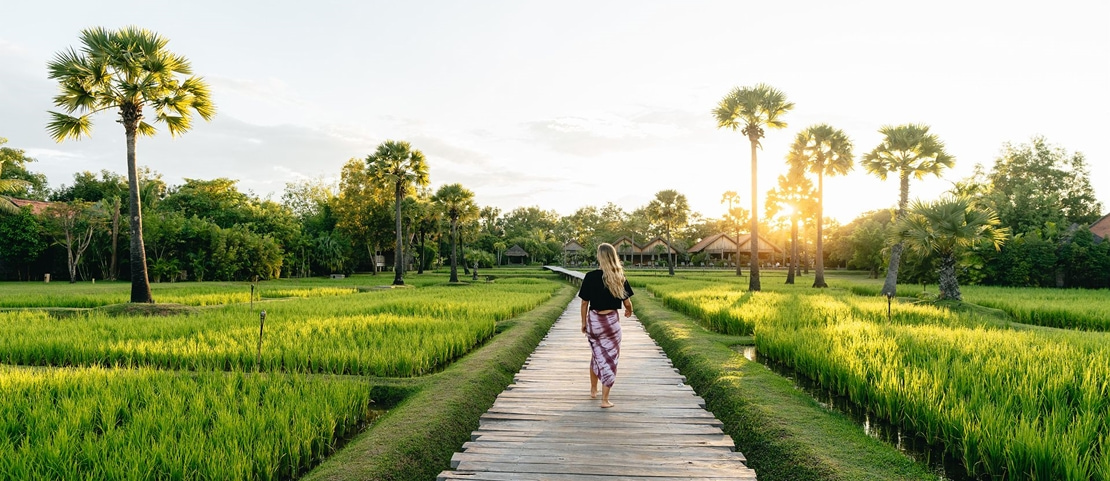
(545, 426)
(491, 476)
(618, 455)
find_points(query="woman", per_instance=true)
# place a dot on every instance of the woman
(603, 292)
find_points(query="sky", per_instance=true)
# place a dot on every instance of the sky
(566, 104)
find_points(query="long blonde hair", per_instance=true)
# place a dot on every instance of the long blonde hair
(612, 272)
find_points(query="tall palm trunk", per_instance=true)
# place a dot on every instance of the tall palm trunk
(399, 251)
(739, 271)
(670, 253)
(819, 276)
(753, 282)
(890, 285)
(949, 287)
(420, 267)
(140, 282)
(454, 264)
(113, 268)
(793, 268)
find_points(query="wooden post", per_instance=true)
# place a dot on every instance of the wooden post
(261, 325)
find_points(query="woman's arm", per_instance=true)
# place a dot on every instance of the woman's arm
(585, 314)
(628, 307)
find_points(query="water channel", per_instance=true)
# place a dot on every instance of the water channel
(941, 463)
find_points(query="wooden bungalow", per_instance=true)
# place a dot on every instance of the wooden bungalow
(656, 249)
(716, 247)
(627, 249)
(517, 255)
(768, 250)
(724, 247)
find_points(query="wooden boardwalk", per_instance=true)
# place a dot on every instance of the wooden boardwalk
(545, 426)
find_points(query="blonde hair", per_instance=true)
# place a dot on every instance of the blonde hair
(612, 272)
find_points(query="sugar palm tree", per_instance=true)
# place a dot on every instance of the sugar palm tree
(457, 204)
(729, 197)
(795, 195)
(399, 167)
(822, 150)
(906, 150)
(946, 228)
(669, 210)
(130, 71)
(750, 109)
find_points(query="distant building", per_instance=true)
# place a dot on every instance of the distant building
(1101, 228)
(37, 206)
(517, 255)
(572, 253)
(724, 247)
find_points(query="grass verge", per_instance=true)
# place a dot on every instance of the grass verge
(783, 432)
(416, 439)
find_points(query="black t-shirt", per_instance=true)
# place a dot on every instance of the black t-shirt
(600, 299)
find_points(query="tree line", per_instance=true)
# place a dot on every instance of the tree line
(1020, 223)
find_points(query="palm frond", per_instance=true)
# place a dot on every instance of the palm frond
(64, 126)
(176, 124)
(129, 66)
(97, 42)
(146, 130)
(68, 64)
(200, 97)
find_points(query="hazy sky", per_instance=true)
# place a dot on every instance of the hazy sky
(564, 104)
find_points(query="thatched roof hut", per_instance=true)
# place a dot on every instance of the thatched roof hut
(516, 252)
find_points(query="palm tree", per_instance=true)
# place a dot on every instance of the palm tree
(822, 150)
(907, 150)
(729, 197)
(751, 109)
(397, 165)
(131, 71)
(427, 222)
(795, 195)
(669, 210)
(457, 203)
(946, 228)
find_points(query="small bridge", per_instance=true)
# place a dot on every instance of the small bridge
(574, 277)
(544, 426)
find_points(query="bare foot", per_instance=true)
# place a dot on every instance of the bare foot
(607, 404)
(593, 394)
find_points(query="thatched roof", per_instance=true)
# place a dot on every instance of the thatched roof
(649, 248)
(625, 240)
(516, 251)
(573, 246)
(714, 243)
(764, 244)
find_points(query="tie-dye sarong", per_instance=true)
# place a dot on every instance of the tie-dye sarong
(604, 333)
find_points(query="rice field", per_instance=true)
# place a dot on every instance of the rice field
(88, 295)
(1087, 310)
(1012, 403)
(1082, 309)
(94, 395)
(388, 332)
(94, 423)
